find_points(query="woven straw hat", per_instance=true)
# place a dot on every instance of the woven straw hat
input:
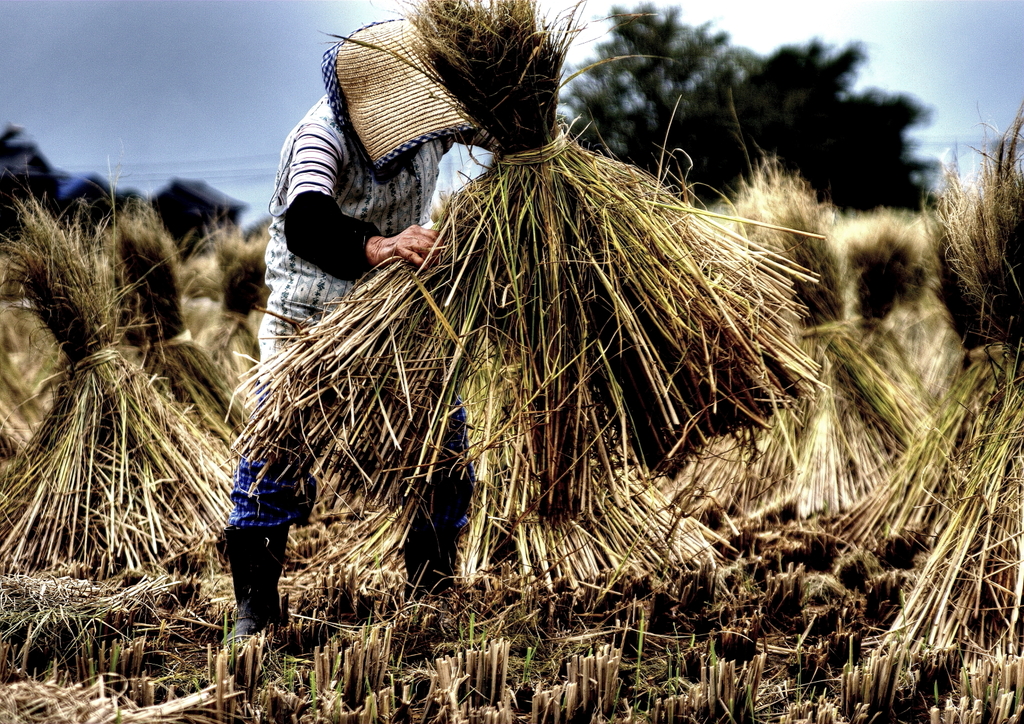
(392, 106)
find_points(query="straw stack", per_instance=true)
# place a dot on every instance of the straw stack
(594, 328)
(827, 452)
(27, 358)
(148, 266)
(894, 258)
(115, 476)
(915, 502)
(231, 340)
(916, 343)
(971, 589)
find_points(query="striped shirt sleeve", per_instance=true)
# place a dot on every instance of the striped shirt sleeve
(315, 162)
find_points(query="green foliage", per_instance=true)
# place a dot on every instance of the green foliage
(669, 81)
(717, 109)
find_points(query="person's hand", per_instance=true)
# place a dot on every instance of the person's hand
(416, 245)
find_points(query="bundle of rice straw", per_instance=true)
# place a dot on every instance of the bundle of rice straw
(894, 257)
(231, 340)
(14, 428)
(115, 476)
(913, 503)
(148, 266)
(593, 326)
(830, 449)
(27, 356)
(971, 589)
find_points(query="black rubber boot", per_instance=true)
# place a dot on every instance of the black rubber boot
(430, 561)
(256, 556)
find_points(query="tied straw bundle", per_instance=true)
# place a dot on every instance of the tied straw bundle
(826, 452)
(116, 476)
(156, 325)
(976, 223)
(913, 502)
(591, 324)
(971, 590)
(917, 344)
(232, 340)
(27, 356)
(894, 259)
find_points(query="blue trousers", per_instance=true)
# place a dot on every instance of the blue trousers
(280, 499)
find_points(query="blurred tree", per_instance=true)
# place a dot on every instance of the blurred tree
(718, 108)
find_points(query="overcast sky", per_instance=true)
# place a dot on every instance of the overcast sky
(147, 91)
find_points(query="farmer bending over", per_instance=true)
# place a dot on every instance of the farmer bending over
(354, 184)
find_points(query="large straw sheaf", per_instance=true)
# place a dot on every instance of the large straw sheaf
(115, 477)
(732, 477)
(593, 327)
(971, 591)
(231, 339)
(919, 338)
(981, 251)
(894, 256)
(25, 361)
(830, 449)
(149, 271)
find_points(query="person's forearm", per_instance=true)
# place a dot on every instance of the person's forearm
(317, 231)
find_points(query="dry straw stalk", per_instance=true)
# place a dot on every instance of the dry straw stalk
(971, 589)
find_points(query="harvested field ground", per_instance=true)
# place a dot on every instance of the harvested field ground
(784, 630)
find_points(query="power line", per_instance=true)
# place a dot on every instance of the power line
(263, 159)
(222, 175)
